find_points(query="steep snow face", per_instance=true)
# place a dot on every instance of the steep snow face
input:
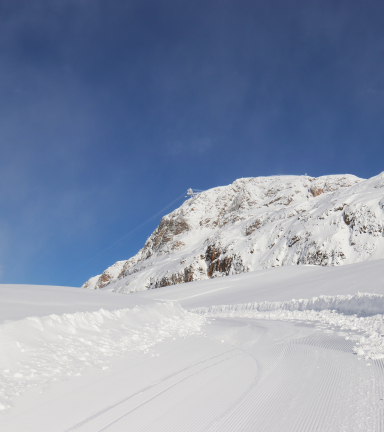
(257, 223)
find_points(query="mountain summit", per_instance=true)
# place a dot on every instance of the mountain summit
(258, 223)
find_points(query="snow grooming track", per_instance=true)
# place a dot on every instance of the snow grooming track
(305, 384)
(203, 383)
(268, 376)
(260, 407)
(40, 350)
(379, 374)
(236, 374)
(169, 404)
(327, 341)
(120, 408)
(357, 317)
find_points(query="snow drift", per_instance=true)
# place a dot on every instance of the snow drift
(362, 304)
(356, 317)
(39, 350)
(257, 223)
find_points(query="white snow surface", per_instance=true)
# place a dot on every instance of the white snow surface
(47, 348)
(22, 301)
(295, 348)
(334, 311)
(256, 223)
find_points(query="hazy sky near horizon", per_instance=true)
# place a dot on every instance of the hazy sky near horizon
(109, 110)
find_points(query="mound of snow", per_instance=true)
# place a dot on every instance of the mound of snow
(360, 304)
(39, 350)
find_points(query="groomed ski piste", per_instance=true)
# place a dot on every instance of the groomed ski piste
(296, 348)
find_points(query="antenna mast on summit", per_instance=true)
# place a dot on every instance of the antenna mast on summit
(191, 193)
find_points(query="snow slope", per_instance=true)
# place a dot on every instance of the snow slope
(275, 285)
(255, 223)
(292, 348)
(22, 301)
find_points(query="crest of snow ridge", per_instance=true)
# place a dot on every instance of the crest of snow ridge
(257, 223)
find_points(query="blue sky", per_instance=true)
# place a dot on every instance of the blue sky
(109, 110)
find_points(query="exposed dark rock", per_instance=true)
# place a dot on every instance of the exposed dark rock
(316, 191)
(219, 261)
(254, 226)
(166, 231)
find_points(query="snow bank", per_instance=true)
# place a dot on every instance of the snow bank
(355, 317)
(39, 350)
(360, 304)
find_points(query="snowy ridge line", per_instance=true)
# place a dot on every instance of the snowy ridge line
(339, 314)
(40, 350)
(360, 304)
(257, 223)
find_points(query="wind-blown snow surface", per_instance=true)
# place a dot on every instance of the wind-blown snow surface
(258, 223)
(63, 345)
(282, 349)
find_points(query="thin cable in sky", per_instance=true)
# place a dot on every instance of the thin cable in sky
(125, 236)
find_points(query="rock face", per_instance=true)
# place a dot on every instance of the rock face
(258, 223)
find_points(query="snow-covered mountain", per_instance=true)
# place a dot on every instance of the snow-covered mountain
(258, 223)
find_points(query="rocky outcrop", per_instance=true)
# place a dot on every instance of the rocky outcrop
(220, 263)
(258, 223)
(165, 233)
